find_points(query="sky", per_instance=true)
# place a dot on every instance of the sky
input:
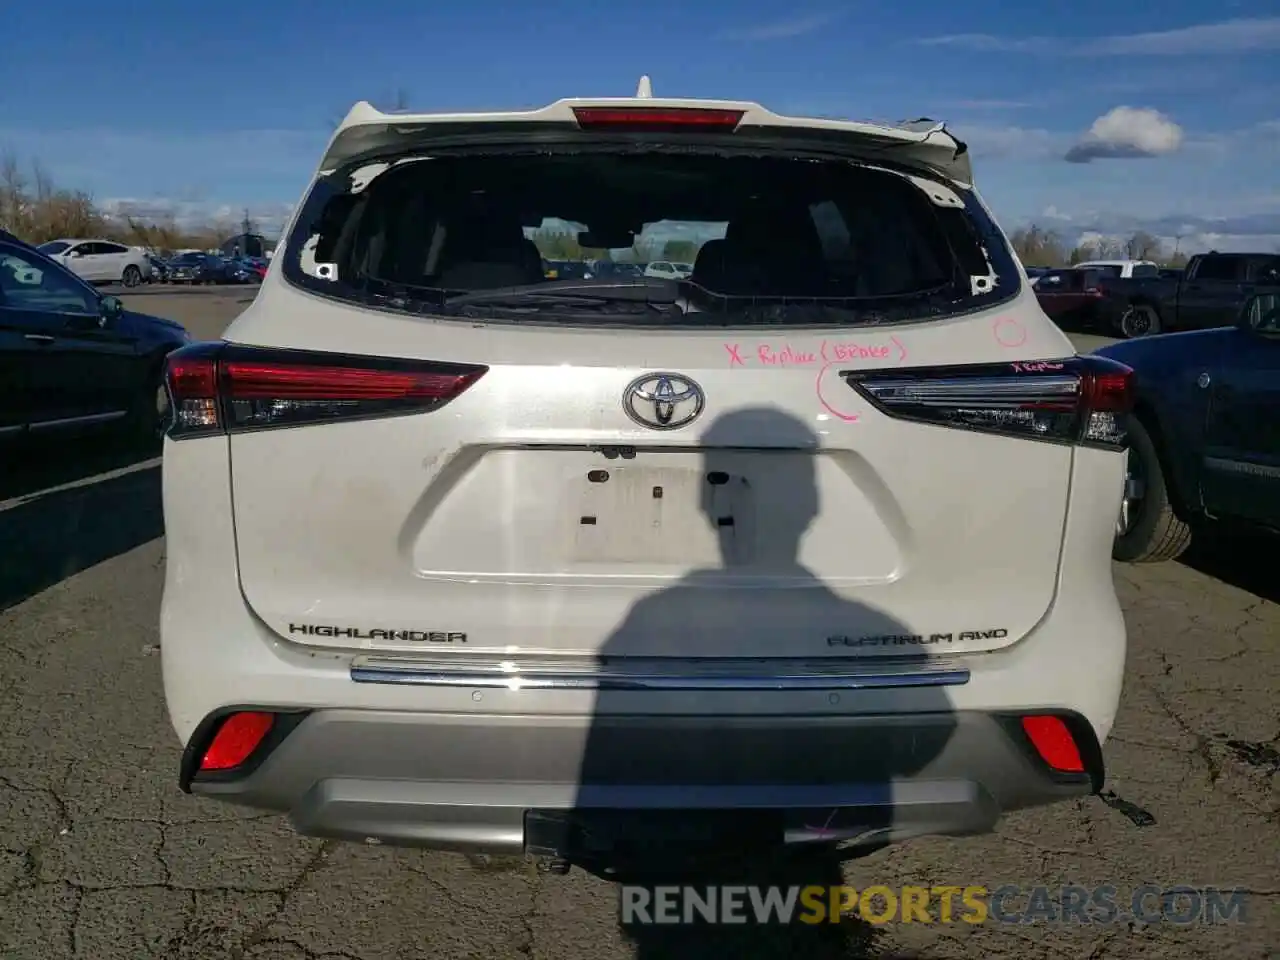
(1087, 118)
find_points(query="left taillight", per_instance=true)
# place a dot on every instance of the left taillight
(227, 388)
(1080, 400)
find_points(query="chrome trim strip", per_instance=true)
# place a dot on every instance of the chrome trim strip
(440, 675)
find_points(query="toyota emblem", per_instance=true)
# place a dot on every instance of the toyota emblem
(663, 401)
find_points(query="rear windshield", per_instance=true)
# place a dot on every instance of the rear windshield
(768, 239)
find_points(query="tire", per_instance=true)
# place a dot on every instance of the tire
(1154, 533)
(151, 412)
(1138, 320)
(132, 276)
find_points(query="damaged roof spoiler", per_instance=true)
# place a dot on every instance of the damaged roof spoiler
(922, 143)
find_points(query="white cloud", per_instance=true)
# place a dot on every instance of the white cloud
(780, 29)
(989, 43)
(1228, 36)
(1125, 133)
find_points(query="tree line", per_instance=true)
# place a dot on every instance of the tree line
(1039, 247)
(35, 208)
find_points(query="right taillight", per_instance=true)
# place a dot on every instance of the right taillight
(228, 388)
(1084, 400)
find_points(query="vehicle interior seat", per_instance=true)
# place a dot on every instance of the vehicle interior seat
(485, 252)
(766, 253)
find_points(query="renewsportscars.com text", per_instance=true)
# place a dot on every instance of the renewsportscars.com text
(977, 904)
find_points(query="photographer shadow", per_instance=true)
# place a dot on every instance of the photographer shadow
(777, 785)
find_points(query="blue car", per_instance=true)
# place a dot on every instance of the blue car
(1206, 432)
(73, 360)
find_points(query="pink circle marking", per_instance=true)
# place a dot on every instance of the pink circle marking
(1007, 338)
(826, 404)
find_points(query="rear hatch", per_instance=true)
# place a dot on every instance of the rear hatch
(763, 463)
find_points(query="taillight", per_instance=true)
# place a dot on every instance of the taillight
(1083, 400)
(226, 388)
(657, 118)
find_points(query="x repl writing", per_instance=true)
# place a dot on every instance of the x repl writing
(977, 904)
(828, 351)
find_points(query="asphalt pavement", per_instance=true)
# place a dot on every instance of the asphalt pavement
(102, 857)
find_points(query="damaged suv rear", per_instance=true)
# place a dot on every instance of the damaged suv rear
(807, 548)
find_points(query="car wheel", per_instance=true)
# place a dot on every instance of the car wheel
(151, 414)
(1139, 320)
(132, 276)
(1147, 530)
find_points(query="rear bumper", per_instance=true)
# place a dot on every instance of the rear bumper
(494, 783)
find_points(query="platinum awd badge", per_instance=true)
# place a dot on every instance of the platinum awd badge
(916, 639)
(396, 636)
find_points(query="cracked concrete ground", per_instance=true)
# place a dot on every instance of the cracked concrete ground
(102, 857)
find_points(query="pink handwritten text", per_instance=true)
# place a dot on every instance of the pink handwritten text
(827, 352)
(1039, 366)
(787, 356)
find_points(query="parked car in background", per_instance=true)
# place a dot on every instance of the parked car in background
(1210, 293)
(567, 270)
(1035, 273)
(72, 359)
(199, 268)
(1073, 298)
(255, 267)
(579, 570)
(609, 268)
(101, 261)
(1205, 431)
(667, 270)
(1124, 269)
(159, 269)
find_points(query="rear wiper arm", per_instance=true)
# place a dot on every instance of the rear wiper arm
(639, 290)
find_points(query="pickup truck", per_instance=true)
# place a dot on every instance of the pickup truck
(1209, 293)
(1204, 434)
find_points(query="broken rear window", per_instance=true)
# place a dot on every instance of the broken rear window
(771, 238)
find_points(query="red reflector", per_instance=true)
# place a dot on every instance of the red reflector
(1054, 743)
(658, 117)
(235, 740)
(257, 381)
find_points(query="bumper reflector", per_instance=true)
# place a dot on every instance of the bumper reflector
(236, 739)
(1053, 741)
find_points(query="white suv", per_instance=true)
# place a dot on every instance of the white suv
(812, 548)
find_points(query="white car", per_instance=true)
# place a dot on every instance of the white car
(101, 261)
(665, 270)
(1125, 269)
(817, 552)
